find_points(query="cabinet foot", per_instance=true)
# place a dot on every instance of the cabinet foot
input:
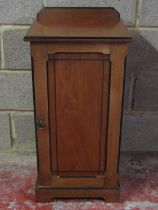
(47, 194)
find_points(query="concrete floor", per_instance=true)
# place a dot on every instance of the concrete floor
(138, 179)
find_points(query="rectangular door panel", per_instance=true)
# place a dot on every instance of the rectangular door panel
(77, 93)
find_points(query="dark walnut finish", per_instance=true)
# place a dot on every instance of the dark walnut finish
(78, 71)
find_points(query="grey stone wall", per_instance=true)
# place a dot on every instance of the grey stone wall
(140, 117)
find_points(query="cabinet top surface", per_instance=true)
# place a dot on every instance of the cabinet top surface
(77, 23)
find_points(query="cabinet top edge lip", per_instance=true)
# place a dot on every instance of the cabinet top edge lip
(78, 39)
(56, 23)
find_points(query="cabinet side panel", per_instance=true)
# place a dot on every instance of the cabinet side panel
(118, 53)
(41, 111)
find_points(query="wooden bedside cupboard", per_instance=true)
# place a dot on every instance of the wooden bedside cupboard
(78, 57)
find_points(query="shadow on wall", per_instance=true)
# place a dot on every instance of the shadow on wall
(141, 82)
(140, 120)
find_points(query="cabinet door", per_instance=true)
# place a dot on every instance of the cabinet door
(78, 89)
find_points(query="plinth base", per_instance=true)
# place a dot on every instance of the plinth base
(47, 194)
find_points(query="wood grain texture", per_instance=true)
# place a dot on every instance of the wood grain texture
(78, 119)
(95, 76)
(41, 110)
(104, 17)
(52, 116)
(56, 24)
(78, 86)
(48, 194)
(118, 53)
(71, 182)
(105, 114)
